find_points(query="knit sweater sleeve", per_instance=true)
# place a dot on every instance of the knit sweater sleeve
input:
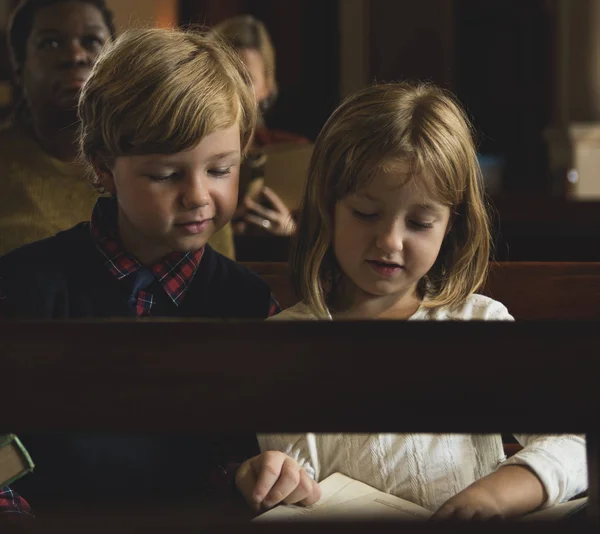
(559, 461)
(294, 445)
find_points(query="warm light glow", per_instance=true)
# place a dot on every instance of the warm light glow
(167, 13)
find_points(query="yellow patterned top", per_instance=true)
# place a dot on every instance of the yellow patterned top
(41, 195)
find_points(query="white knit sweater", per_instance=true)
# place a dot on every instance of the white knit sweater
(475, 308)
(428, 469)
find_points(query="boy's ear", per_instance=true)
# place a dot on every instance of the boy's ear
(104, 175)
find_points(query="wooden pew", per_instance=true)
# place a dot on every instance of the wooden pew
(384, 376)
(543, 290)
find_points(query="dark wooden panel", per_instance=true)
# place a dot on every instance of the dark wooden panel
(290, 376)
(505, 69)
(558, 291)
(108, 521)
(412, 40)
(167, 376)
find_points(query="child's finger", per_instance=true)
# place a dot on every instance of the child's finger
(245, 480)
(303, 489)
(268, 469)
(445, 511)
(287, 482)
(313, 491)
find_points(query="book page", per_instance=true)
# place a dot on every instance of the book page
(343, 498)
(558, 511)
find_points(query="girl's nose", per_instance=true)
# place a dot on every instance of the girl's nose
(390, 238)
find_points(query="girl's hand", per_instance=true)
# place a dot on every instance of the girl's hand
(277, 220)
(272, 478)
(473, 503)
(511, 491)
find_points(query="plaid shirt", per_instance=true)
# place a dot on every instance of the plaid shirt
(175, 271)
(13, 506)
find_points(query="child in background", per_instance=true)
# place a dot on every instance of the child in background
(166, 118)
(394, 226)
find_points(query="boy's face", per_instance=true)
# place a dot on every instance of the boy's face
(176, 202)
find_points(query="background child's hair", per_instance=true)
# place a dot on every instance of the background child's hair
(246, 31)
(159, 91)
(416, 123)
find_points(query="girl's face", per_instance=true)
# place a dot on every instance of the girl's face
(386, 238)
(176, 202)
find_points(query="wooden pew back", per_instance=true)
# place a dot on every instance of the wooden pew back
(541, 290)
(376, 376)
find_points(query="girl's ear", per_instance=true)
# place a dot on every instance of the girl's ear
(104, 175)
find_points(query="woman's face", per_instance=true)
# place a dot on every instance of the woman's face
(64, 42)
(255, 64)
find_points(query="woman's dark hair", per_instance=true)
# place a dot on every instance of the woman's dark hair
(21, 22)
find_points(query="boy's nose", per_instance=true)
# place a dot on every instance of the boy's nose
(195, 193)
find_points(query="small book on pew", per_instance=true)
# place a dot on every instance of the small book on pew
(346, 499)
(15, 461)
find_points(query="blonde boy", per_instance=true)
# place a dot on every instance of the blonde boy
(166, 117)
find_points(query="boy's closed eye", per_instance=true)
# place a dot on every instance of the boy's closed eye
(221, 171)
(164, 177)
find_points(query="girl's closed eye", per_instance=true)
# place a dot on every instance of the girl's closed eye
(367, 216)
(420, 225)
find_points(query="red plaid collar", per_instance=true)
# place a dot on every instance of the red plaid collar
(174, 271)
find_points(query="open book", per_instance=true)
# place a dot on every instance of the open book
(344, 499)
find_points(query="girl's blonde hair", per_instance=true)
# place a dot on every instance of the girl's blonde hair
(159, 91)
(246, 31)
(416, 123)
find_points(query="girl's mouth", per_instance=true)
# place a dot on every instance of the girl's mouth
(384, 268)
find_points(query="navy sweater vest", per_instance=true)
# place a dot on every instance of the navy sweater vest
(64, 277)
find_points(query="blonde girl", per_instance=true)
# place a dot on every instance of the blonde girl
(394, 225)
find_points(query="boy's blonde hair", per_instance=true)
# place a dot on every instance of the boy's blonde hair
(159, 91)
(416, 123)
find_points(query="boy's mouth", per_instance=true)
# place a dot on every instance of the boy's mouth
(193, 227)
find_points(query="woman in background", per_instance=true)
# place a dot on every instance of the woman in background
(251, 39)
(53, 45)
